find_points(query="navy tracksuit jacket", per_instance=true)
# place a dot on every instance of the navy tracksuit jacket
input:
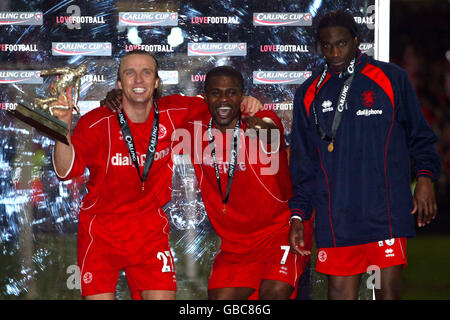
(362, 190)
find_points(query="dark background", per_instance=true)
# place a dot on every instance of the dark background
(419, 42)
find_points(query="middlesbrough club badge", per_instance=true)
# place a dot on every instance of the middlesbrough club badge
(322, 256)
(87, 277)
(162, 131)
(368, 98)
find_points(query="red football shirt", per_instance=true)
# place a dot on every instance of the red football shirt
(257, 208)
(114, 186)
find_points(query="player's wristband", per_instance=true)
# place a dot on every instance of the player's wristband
(425, 173)
(295, 217)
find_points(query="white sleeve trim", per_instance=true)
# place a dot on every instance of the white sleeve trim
(71, 165)
(268, 120)
(262, 144)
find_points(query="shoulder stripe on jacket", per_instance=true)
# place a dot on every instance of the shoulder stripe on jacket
(380, 78)
(311, 92)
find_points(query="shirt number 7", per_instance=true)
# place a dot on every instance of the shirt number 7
(285, 254)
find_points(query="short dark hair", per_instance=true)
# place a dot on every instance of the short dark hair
(226, 71)
(141, 52)
(338, 18)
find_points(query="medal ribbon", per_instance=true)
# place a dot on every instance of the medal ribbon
(233, 158)
(151, 150)
(342, 103)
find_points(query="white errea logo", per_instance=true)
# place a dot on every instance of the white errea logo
(389, 252)
(327, 106)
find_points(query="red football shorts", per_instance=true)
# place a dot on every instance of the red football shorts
(273, 261)
(108, 244)
(352, 260)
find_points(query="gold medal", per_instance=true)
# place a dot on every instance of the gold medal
(330, 147)
(224, 210)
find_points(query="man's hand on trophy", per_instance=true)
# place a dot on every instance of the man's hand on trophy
(113, 100)
(63, 107)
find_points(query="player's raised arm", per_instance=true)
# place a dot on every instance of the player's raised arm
(63, 154)
(113, 100)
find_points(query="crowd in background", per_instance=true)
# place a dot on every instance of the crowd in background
(419, 44)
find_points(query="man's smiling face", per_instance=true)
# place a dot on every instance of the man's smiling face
(138, 79)
(224, 96)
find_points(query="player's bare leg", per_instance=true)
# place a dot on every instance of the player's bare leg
(343, 287)
(391, 283)
(158, 295)
(101, 296)
(230, 293)
(275, 290)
